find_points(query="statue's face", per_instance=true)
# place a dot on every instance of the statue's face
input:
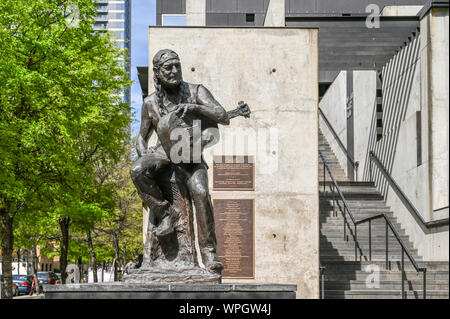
(170, 73)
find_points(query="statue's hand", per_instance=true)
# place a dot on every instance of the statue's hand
(243, 109)
(186, 108)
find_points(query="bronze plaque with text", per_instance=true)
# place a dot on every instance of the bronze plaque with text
(233, 173)
(234, 221)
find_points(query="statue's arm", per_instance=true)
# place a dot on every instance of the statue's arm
(145, 131)
(209, 107)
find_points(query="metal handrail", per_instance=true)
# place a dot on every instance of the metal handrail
(350, 158)
(322, 280)
(346, 209)
(424, 225)
(369, 219)
(404, 250)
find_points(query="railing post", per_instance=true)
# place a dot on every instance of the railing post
(370, 239)
(323, 161)
(425, 283)
(387, 246)
(356, 240)
(334, 211)
(403, 274)
(323, 283)
(345, 222)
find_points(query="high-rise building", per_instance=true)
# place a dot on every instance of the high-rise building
(115, 17)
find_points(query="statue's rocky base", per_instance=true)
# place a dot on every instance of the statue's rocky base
(194, 275)
(123, 290)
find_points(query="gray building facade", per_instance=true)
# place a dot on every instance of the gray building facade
(253, 12)
(115, 17)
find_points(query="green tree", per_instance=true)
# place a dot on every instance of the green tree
(60, 114)
(121, 230)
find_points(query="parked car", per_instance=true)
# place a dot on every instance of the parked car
(23, 283)
(47, 277)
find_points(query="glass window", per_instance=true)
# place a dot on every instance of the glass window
(116, 6)
(174, 19)
(102, 16)
(102, 7)
(116, 15)
(118, 25)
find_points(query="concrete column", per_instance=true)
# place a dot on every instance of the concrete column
(350, 126)
(195, 12)
(435, 100)
(275, 15)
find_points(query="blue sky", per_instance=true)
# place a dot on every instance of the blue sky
(143, 14)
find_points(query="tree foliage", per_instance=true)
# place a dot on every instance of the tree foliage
(61, 115)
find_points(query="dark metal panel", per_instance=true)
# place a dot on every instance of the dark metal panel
(224, 6)
(237, 19)
(296, 6)
(216, 19)
(173, 6)
(327, 76)
(158, 12)
(338, 7)
(250, 6)
(259, 19)
(345, 43)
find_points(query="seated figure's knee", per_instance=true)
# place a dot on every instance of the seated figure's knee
(201, 192)
(136, 170)
(150, 166)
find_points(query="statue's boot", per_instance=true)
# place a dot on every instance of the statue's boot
(211, 260)
(165, 227)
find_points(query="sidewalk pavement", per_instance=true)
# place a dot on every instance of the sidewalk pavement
(34, 296)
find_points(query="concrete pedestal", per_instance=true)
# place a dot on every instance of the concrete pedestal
(120, 290)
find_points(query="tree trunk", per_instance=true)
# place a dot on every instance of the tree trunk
(64, 226)
(7, 250)
(34, 262)
(93, 257)
(117, 256)
(80, 265)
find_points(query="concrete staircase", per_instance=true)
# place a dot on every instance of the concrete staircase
(347, 278)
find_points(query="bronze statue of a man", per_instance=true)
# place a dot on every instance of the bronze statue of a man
(176, 104)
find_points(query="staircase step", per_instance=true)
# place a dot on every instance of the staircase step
(384, 275)
(351, 257)
(394, 265)
(383, 294)
(410, 285)
(345, 277)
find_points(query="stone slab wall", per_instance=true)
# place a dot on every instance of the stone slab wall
(415, 143)
(334, 106)
(275, 71)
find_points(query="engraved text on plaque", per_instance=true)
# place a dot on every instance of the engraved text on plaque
(234, 219)
(234, 173)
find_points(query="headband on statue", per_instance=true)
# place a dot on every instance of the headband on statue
(163, 56)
